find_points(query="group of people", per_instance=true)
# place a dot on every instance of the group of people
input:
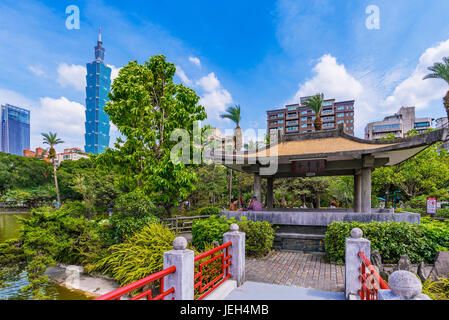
(254, 205)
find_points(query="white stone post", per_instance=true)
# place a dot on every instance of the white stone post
(404, 285)
(182, 279)
(353, 246)
(237, 251)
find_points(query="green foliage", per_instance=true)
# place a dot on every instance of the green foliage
(259, 237)
(51, 236)
(147, 107)
(209, 211)
(443, 213)
(121, 226)
(209, 230)
(31, 197)
(138, 256)
(392, 239)
(437, 290)
(135, 203)
(259, 234)
(419, 202)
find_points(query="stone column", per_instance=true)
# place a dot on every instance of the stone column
(270, 192)
(237, 251)
(182, 279)
(353, 246)
(258, 186)
(357, 192)
(366, 190)
(404, 285)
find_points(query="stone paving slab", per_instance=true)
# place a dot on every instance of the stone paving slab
(264, 291)
(297, 269)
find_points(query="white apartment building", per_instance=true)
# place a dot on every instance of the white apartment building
(398, 124)
(70, 154)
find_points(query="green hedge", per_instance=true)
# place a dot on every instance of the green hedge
(259, 235)
(209, 211)
(392, 239)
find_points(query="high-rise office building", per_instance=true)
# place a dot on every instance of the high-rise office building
(15, 129)
(297, 118)
(98, 83)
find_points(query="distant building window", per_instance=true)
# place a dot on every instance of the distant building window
(304, 112)
(327, 111)
(304, 126)
(340, 115)
(280, 115)
(387, 126)
(340, 108)
(327, 103)
(291, 108)
(422, 124)
(303, 119)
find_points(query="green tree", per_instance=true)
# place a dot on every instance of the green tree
(52, 140)
(233, 113)
(441, 71)
(316, 103)
(147, 107)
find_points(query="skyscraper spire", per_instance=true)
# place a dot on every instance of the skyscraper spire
(99, 50)
(99, 36)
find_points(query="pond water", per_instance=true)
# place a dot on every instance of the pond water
(9, 229)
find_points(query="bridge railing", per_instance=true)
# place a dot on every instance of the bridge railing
(181, 224)
(370, 280)
(211, 270)
(189, 277)
(142, 283)
(363, 282)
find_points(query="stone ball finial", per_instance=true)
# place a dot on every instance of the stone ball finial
(180, 243)
(405, 284)
(234, 227)
(356, 233)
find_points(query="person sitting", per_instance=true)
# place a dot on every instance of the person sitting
(254, 205)
(233, 205)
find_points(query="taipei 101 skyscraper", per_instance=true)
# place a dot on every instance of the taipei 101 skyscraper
(98, 84)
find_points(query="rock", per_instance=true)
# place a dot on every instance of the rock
(404, 263)
(441, 265)
(405, 284)
(422, 272)
(376, 261)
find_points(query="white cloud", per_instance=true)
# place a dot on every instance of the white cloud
(180, 72)
(195, 61)
(114, 72)
(62, 116)
(37, 70)
(72, 76)
(215, 98)
(332, 79)
(414, 91)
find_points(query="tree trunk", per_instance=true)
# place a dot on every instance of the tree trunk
(230, 186)
(56, 184)
(318, 124)
(446, 104)
(318, 201)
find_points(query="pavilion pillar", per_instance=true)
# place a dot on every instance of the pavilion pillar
(258, 186)
(357, 204)
(270, 192)
(366, 190)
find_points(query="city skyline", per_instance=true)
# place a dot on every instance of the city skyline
(261, 64)
(14, 129)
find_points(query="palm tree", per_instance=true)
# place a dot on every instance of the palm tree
(316, 103)
(233, 114)
(441, 71)
(51, 139)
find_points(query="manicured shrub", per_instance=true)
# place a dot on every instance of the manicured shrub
(259, 234)
(443, 213)
(419, 202)
(209, 230)
(209, 211)
(392, 239)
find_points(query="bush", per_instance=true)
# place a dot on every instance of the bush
(135, 203)
(209, 211)
(138, 256)
(121, 226)
(419, 202)
(443, 213)
(209, 230)
(437, 290)
(392, 239)
(259, 235)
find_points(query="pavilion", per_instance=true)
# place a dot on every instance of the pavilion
(327, 153)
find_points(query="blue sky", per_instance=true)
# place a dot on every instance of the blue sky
(260, 55)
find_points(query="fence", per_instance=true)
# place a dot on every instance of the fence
(187, 276)
(181, 224)
(363, 282)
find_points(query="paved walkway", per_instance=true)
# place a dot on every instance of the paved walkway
(263, 291)
(297, 269)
